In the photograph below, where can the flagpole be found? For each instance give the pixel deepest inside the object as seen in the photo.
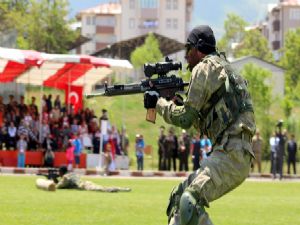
(41, 108)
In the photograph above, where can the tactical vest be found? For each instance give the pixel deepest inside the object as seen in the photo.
(226, 104)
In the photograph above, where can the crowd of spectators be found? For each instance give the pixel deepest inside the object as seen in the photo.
(182, 148)
(54, 127)
(24, 128)
(283, 147)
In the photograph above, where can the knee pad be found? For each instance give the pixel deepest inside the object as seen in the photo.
(190, 210)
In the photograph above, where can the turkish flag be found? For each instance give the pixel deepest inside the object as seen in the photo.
(73, 96)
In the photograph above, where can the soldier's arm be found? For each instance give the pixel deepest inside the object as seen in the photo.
(184, 116)
(62, 183)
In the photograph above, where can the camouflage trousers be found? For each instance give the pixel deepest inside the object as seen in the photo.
(90, 186)
(220, 173)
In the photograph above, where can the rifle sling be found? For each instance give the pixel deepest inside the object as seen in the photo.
(213, 100)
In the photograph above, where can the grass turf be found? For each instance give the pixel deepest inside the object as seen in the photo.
(253, 203)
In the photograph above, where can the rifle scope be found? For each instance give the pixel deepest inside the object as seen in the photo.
(161, 68)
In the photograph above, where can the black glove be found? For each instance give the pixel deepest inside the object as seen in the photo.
(178, 100)
(150, 99)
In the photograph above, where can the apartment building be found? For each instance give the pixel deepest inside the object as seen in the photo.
(280, 18)
(108, 23)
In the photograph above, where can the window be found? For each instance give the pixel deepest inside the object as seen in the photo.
(148, 4)
(131, 23)
(88, 20)
(93, 20)
(106, 21)
(150, 24)
(294, 14)
(175, 4)
(168, 4)
(131, 4)
(168, 23)
(175, 23)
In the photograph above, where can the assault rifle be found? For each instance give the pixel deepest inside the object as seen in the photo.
(52, 174)
(166, 85)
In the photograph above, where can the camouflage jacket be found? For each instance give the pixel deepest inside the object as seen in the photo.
(207, 77)
(69, 181)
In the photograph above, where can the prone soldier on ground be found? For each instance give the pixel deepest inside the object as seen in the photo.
(72, 181)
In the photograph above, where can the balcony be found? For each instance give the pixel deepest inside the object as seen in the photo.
(276, 45)
(105, 30)
(276, 25)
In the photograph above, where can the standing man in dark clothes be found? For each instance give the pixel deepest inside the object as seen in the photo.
(196, 152)
(184, 150)
(281, 149)
(162, 149)
(292, 150)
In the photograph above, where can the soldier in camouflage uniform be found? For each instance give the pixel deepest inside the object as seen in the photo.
(218, 105)
(73, 181)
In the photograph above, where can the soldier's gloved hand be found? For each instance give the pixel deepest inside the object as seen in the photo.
(178, 100)
(150, 99)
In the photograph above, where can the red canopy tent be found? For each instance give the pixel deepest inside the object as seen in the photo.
(61, 71)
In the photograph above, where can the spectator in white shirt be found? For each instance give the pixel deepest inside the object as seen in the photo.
(274, 141)
(12, 135)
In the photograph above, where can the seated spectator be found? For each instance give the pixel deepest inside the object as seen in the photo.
(74, 126)
(49, 103)
(55, 114)
(12, 136)
(45, 130)
(23, 129)
(66, 134)
(3, 137)
(57, 102)
(27, 117)
(22, 106)
(33, 107)
(84, 136)
(11, 103)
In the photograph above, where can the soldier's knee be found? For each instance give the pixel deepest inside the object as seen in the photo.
(190, 210)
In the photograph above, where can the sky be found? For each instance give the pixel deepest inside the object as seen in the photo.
(209, 12)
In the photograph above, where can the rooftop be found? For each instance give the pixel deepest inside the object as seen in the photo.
(106, 8)
(124, 48)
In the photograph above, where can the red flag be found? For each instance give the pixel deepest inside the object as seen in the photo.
(74, 97)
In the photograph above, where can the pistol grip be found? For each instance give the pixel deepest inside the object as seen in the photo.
(151, 115)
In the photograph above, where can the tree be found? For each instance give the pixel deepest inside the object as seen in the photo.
(8, 9)
(290, 61)
(234, 27)
(254, 44)
(261, 97)
(149, 52)
(42, 25)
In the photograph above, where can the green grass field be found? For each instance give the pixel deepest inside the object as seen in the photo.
(253, 203)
